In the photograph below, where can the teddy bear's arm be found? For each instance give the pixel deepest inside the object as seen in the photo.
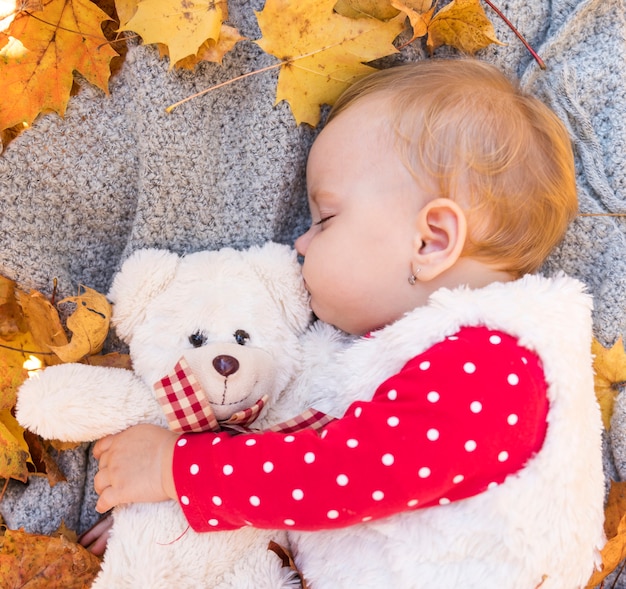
(81, 403)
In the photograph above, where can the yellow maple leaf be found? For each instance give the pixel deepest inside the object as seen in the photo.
(182, 25)
(420, 14)
(89, 324)
(360, 8)
(610, 373)
(125, 9)
(211, 50)
(462, 24)
(323, 52)
(14, 452)
(42, 50)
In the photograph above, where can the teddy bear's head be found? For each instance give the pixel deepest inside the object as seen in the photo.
(233, 318)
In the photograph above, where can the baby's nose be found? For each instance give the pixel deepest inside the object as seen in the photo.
(225, 365)
(302, 243)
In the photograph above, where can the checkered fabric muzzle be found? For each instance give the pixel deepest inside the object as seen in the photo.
(187, 408)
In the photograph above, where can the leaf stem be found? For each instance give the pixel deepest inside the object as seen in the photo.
(602, 214)
(519, 35)
(4, 488)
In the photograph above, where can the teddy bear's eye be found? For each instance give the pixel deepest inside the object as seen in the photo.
(241, 337)
(197, 339)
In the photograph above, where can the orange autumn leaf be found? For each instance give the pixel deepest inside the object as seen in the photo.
(42, 49)
(31, 332)
(420, 14)
(323, 52)
(37, 561)
(609, 374)
(615, 508)
(462, 24)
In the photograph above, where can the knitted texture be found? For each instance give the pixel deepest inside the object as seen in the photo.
(119, 173)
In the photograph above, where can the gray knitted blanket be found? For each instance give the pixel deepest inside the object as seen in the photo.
(78, 195)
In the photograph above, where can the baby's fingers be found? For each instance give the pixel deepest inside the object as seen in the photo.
(102, 446)
(108, 497)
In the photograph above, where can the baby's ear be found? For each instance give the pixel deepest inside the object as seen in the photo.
(144, 275)
(441, 231)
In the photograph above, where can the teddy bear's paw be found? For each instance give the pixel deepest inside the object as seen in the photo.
(81, 403)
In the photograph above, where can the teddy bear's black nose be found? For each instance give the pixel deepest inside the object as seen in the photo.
(225, 365)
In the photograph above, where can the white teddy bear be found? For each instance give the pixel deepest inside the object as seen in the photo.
(217, 317)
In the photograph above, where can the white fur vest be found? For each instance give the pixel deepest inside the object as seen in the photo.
(544, 525)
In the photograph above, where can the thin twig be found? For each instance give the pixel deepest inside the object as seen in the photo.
(519, 35)
(26, 351)
(621, 570)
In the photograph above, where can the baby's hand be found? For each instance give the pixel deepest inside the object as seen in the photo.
(135, 466)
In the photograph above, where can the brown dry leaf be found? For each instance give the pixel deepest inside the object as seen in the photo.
(420, 14)
(462, 24)
(182, 25)
(112, 360)
(323, 52)
(286, 558)
(42, 461)
(89, 324)
(41, 51)
(38, 562)
(610, 373)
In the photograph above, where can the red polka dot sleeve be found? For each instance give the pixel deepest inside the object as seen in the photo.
(455, 420)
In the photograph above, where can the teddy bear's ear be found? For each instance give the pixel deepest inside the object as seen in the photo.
(279, 271)
(143, 276)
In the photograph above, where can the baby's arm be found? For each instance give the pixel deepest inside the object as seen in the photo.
(457, 418)
(81, 403)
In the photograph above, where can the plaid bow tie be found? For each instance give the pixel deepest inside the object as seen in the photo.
(187, 408)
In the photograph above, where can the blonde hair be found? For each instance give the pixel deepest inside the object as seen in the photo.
(468, 132)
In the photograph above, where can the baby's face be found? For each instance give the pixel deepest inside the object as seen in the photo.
(363, 201)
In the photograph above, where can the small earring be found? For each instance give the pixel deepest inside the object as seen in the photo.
(413, 277)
